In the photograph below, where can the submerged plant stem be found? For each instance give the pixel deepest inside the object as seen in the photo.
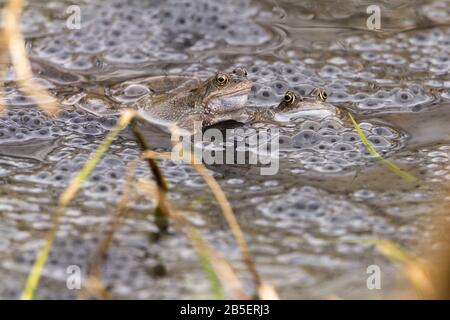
(161, 211)
(264, 290)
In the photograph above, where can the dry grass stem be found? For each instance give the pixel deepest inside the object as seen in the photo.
(94, 279)
(263, 289)
(13, 42)
(65, 198)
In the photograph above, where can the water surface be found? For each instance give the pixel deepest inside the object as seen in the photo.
(307, 225)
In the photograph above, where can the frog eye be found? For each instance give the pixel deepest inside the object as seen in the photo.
(323, 95)
(222, 79)
(289, 97)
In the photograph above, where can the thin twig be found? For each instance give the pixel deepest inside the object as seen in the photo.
(264, 290)
(206, 254)
(94, 275)
(160, 212)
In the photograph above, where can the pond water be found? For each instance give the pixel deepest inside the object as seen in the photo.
(308, 224)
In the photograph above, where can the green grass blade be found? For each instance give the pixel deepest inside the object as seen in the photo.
(68, 194)
(208, 268)
(400, 172)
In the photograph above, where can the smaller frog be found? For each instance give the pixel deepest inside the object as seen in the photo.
(295, 106)
(312, 106)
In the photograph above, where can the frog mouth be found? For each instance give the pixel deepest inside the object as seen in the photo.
(228, 103)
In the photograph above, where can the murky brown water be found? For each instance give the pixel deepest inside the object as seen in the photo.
(307, 224)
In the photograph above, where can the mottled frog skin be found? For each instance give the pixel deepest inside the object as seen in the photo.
(190, 103)
(221, 97)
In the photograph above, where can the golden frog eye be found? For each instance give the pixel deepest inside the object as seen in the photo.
(323, 95)
(222, 79)
(289, 97)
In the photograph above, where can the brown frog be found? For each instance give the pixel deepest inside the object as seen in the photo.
(183, 101)
(220, 97)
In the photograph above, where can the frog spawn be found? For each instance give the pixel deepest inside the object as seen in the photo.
(136, 32)
(320, 230)
(343, 84)
(433, 162)
(132, 266)
(328, 147)
(105, 183)
(272, 80)
(312, 211)
(81, 132)
(374, 88)
(426, 51)
(324, 146)
(19, 125)
(310, 147)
